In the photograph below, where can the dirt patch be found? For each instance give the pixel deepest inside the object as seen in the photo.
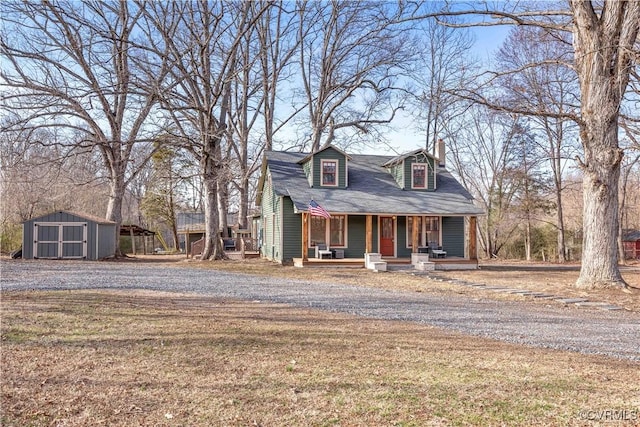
(78, 358)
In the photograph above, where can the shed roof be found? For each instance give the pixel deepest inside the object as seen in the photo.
(79, 215)
(371, 190)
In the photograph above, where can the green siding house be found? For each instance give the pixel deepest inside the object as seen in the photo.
(386, 205)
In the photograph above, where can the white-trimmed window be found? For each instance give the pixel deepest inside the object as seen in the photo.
(317, 230)
(428, 230)
(419, 175)
(329, 173)
(332, 232)
(337, 230)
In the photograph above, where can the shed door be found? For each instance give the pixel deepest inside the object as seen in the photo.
(60, 240)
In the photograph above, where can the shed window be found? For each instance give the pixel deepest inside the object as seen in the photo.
(330, 172)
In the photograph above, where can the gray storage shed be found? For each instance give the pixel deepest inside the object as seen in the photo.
(68, 235)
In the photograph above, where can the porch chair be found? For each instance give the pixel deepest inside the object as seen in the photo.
(229, 244)
(322, 251)
(436, 251)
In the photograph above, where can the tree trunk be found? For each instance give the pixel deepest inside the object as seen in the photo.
(600, 215)
(527, 240)
(316, 134)
(243, 210)
(212, 248)
(601, 169)
(488, 246)
(223, 206)
(603, 48)
(562, 245)
(174, 227)
(557, 179)
(114, 207)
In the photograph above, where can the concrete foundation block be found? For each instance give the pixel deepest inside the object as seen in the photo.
(425, 266)
(378, 266)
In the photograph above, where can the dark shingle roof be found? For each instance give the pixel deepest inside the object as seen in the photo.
(371, 190)
(399, 159)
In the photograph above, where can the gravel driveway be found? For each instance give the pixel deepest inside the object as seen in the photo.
(615, 333)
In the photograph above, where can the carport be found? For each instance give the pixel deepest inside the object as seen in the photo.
(68, 235)
(133, 231)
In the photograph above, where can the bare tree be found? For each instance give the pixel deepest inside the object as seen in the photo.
(605, 51)
(163, 188)
(487, 161)
(351, 54)
(443, 64)
(70, 65)
(38, 177)
(551, 86)
(264, 61)
(203, 40)
(276, 35)
(532, 194)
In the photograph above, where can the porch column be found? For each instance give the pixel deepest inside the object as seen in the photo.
(473, 238)
(305, 236)
(414, 235)
(369, 235)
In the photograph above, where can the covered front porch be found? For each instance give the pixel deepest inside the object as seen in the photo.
(390, 240)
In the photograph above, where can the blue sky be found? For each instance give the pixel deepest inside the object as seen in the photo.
(489, 39)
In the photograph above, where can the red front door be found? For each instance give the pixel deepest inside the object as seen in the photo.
(387, 234)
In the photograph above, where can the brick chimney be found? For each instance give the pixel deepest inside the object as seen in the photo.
(441, 152)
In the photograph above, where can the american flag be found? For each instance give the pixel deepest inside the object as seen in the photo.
(317, 210)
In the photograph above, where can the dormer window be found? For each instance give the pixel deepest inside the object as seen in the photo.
(329, 170)
(327, 167)
(419, 175)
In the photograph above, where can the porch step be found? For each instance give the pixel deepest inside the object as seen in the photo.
(398, 267)
(425, 266)
(378, 266)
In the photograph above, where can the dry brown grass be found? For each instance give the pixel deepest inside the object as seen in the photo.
(149, 358)
(558, 282)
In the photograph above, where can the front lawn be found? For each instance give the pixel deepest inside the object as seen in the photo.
(149, 358)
